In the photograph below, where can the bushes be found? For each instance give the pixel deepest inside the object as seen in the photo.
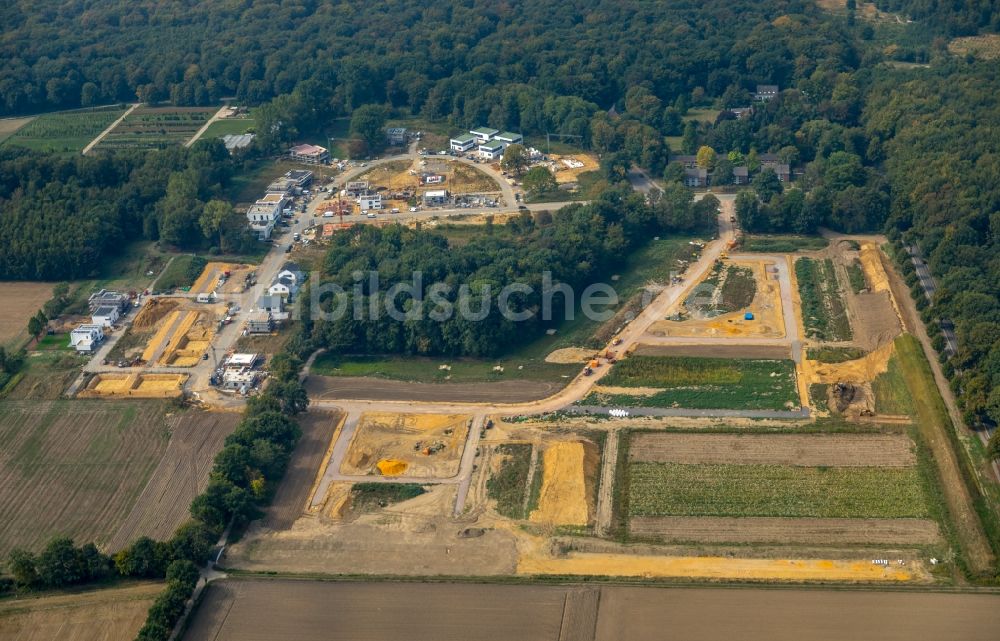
(59, 565)
(182, 577)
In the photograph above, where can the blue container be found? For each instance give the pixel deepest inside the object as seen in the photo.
(748, 316)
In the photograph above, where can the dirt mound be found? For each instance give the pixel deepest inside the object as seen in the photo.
(391, 467)
(570, 355)
(862, 370)
(153, 312)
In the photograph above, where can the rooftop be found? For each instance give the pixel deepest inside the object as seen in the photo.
(464, 138)
(307, 150)
(437, 193)
(105, 310)
(491, 146)
(484, 131)
(271, 198)
(509, 135)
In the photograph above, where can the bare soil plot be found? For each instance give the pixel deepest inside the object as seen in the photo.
(74, 468)
(717, 305)
(195, 438)
(25, 299)
(417, 445)
(113, 614)
(377, 611)
(292, 496)
(718, 529)
(835, 450)
(360, 387)
(209, 279)
(134, 385)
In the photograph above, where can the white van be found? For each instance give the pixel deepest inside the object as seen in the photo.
(370, 214)
(395, 210)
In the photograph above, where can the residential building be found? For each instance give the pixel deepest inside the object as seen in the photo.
(483, 134)
(275, 305)
(86, 338)
(508, 138)
(356, 188)
(741, 112)
(105, 316)
(436, 197)
(283, 185)
(463, 143)
(741, 176)
(241, 380)
(784, 173)
(370, 202)
(696, 177)
(105, 298)
(310, 154)
(264, 214)
(491, 150)
(259, 322)
(300, 177)
(286, 284)
(769, 160)
(765, 92)
(688, 162)
(395, 135)
(235, 142)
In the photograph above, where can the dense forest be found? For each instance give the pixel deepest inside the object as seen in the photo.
(953, 17)
(578, 247)
(471, 59)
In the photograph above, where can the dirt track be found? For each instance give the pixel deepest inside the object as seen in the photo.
(840, 450)
(311, 610)
(358, 387)
(708, 529)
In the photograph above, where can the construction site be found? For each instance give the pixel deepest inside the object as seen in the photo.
(134, 385)
(406, 445)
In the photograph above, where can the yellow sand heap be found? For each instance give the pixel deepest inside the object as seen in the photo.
(160, 335)
(714, 567)
(871, 264)
(862, 370)
(391, 466)
(563, 500)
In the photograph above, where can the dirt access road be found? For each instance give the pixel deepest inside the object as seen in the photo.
(312, 610)
(96, 141)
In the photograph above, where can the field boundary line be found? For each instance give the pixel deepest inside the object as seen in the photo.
(310, 505)
(96, 141)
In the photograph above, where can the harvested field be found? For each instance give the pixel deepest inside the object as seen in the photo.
(112, 614)
(134, 385)
(783, 531)
(309, 610)
(834, 450)
(429, 445)
(292, 496)
(564, 497)
(8, 126)
(74, 468)
(671, 489)
(325, 611)
(14, 318)
(195, 438)
(360, 387)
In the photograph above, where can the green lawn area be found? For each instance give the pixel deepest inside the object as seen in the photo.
(64, 131)
(672, 489)
(227, 126)
(428, 370)
(46, 374)
(889, 389)
(54, 342)
(782, 244)
(182, 272)
(701, 383)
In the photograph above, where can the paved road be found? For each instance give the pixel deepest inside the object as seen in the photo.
(929, 286)
(96, 141)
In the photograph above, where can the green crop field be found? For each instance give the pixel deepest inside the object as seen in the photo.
(65, 131)
(227, 126)
(157, 127)
(823, 312)
(510, 482)
(889, 389)
(856, 276)
(429, 370)
(783, 244)
(671, 489)
(702, 383)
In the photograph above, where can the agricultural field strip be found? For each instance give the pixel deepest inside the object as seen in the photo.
(784, 531)
(74, 468)
(672, 489)
(843, 450)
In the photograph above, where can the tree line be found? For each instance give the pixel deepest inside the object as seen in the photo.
(576, 247)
